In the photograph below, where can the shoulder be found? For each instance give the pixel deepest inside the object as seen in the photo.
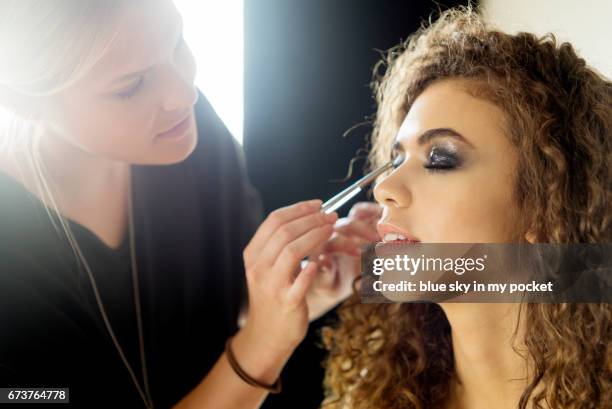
(24, 221)
(30, 245)
(19, 214)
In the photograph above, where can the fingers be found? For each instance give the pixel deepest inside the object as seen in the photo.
(344, 244)
(292, 230)
(274, 221)
(327, 274)
(365, 210)
(359, 228)
(324, 261)
(294, 252)
(298, 290)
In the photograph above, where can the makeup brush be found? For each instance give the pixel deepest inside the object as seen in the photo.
(347, 194)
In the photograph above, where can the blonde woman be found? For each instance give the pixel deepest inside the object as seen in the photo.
(507, 139)
(127, 221)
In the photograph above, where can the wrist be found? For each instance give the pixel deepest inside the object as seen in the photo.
(259, 358)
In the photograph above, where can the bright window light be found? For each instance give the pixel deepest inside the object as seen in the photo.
(214, 32)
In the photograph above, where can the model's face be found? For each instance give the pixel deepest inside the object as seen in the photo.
(142, 87)
(456, 183)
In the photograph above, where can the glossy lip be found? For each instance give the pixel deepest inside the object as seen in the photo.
(178, 129)
(384, 228)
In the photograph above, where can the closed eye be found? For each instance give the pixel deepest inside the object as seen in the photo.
(442, 159)
(132, 90)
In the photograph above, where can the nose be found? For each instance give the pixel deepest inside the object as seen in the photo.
(181, 91)
(392, 191)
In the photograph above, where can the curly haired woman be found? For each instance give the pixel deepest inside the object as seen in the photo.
(507, 139)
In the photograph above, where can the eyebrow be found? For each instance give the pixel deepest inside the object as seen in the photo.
(434, 133)
(135, 74)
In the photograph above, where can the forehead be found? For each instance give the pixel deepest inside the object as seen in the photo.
(144, 32)
(449, 104)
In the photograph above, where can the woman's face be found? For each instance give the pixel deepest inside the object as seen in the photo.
(456, 183)
(140, 89)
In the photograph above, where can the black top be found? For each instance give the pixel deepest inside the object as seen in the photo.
(192, 221)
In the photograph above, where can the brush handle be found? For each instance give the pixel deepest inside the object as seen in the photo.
(347, 194)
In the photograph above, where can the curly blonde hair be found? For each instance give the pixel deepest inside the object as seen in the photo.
(559, 117)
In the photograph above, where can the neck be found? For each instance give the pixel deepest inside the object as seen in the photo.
(89, 189)
(489, 373)
(79, 176)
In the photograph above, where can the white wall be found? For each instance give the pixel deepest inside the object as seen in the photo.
(585, 24)
(214, 32)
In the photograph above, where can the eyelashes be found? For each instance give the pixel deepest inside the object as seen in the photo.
(132, 90)
(439, 159)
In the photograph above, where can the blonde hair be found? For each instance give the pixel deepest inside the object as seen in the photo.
(45, 47)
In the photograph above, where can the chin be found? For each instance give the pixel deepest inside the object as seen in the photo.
(175, 152)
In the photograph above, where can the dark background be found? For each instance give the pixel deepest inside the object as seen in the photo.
(308, 65)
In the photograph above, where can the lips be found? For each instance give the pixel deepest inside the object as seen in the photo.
(393, 234)
(177, 127)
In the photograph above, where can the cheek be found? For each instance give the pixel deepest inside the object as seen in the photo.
(110, 129)
(468, 209)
